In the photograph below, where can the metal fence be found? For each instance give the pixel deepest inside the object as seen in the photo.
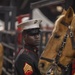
(44, 37)
(8, 39)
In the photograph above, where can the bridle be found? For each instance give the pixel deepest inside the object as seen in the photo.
(56, 60)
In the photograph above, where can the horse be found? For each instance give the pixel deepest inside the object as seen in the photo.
(60, 48)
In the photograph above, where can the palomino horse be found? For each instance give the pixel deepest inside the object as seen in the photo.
(60, 49)
(1, 58)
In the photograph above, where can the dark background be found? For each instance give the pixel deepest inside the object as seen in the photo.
(23, 7)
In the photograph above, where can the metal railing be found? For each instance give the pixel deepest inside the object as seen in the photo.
(44, 37)
(8, 40)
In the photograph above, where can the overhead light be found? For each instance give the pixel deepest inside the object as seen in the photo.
(59, 8)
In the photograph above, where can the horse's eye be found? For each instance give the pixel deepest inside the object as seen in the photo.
(56, 36)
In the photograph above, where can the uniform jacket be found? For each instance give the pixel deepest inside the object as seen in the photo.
(29, 55)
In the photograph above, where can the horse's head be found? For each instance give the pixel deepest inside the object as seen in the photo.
(60, 48)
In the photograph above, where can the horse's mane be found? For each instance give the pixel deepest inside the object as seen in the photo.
(58, 18)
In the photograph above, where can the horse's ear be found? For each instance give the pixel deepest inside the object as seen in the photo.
(63, 12)
(69, 13)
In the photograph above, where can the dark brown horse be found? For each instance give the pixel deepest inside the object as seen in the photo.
(60, 49)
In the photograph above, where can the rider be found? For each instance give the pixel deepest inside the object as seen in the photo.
(27, 59)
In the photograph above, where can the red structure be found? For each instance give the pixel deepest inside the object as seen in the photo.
(19, 19)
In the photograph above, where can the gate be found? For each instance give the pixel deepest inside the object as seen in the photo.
(8, 39)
